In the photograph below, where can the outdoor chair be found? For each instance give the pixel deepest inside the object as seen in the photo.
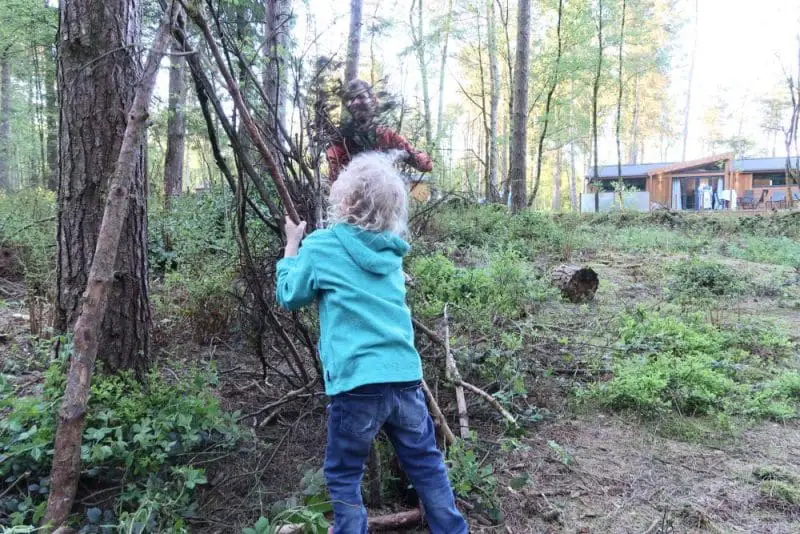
(778, 197)
(748, 201)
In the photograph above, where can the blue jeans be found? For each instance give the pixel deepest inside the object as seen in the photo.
(355, 417)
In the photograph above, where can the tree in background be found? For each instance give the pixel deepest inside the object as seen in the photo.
(353, 42)
(519, 128)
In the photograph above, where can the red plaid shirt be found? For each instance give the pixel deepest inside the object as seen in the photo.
(339, 154)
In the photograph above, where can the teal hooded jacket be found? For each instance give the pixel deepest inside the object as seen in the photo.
(365, 325)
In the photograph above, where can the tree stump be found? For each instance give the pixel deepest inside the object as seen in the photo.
(577, 284)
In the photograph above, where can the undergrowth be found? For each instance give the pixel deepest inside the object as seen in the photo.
(136, 448)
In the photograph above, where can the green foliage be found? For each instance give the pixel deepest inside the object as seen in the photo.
(666, 363)
(137, 435)
(308, 507)
(27, 230)
(506, 287)
(470, 477)
(701, 280)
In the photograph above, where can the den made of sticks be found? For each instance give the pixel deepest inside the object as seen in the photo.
(282, 267)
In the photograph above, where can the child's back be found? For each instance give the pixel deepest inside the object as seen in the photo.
(372, 371)
(365, 326)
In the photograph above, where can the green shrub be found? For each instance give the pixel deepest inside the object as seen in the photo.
(470, 477)
(701, 281)
(135, 436)
(506, 287)
(682, 364)
(27, 232)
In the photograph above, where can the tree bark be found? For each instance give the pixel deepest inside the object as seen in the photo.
(442, 68)
(547, 107)
(494, 104)
(573, 181)
(596, 85)
(691, 77)
(634, 150)
(5, 118)
(277, 49)
(418, 40)
(557, 182)
(94, 103)
(577, 284)
(176, 126)
(51, 112)
(519, 129)
(619, 101)
(89, 327)
(353, 42)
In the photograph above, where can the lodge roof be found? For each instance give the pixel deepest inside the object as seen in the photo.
(606, 172)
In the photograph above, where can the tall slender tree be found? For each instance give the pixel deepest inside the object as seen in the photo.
(494, 103)
(596, 85)
(420, 43)
(94, 103)
(519, 129)
(687, 109)
(176, 126)
(5, 116)
(353, 42)
(621, 85)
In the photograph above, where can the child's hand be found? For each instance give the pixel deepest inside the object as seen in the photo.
(294, 234)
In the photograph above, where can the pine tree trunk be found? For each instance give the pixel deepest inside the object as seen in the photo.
(276, 49)
(442, 70)
(557, 182)
(596, 85)
(634, 149)
(687, 110)
(494, 105)
(94, 103)
(353, 42)
(619, 101)
(51, 111)
(573, 181)
(519, 129)
(5, 119)
(419, 41)
(176, 127)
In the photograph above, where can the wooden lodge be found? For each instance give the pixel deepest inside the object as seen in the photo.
(718, 182)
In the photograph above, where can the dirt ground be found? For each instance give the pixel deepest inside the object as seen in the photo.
(587, 472)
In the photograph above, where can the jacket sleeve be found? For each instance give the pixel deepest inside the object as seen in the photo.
(296, 281)
(337, 158)
(388, 138)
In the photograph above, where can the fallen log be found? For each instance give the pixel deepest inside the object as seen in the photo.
(577, 284)
(383, 523)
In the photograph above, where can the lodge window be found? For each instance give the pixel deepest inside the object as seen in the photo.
(766, 180)
(637, 184)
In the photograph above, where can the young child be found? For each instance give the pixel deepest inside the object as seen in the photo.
(372, 371)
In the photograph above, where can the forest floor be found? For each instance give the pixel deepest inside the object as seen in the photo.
(586, 470)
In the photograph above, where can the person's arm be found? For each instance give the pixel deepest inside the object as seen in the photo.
(296, 284)
(388, 138)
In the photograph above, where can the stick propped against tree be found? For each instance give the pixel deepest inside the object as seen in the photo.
(72, 416)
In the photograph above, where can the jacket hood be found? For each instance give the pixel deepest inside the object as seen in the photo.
(375, 252)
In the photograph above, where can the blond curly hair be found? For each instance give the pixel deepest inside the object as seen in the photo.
(370, 193)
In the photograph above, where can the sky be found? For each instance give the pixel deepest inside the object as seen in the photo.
(743, 48)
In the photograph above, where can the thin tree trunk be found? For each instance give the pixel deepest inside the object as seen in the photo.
(37, 104)
(547, 106)
(634, 152)
(353, 42)
(5, 119)
(51, 112)
(691, 77)
(519, 142)
(418, 40)
(557, 182)
(90, 143)
(596, 86)
(277, 50)
(443, 67)
(99, 291)
(494, 105)
(619, 98)
(573, 182)
(509, 118)
(176, 126)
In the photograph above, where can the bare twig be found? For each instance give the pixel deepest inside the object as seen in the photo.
(451, 372)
